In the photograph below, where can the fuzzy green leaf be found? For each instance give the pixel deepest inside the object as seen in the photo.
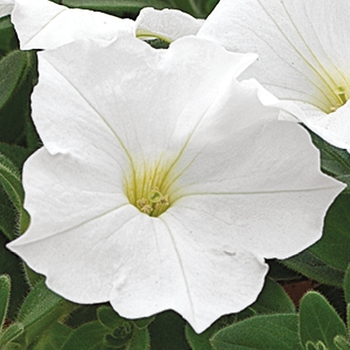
(8, 40)
(319, 322)
(54, 338)
(143, 323)
(273, 332)
(311, 266)
(341, 343)
(11, 221)
(11, 265)
(140, 340)
(11, 183)
(40, 309)
(88, 337)
(202, 341)
(334, 161)
(11, 333)
(16, 154)
(5, 289)
(272, 299)
(333, 247)
(108, 317)
(197, 8)
(18, 76)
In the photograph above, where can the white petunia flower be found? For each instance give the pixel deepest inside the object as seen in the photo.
(304, 51)
(41, 24)
(163, 183)
(6, 7)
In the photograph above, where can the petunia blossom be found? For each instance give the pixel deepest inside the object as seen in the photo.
(304, 51)
(163, 182)
(6, 7)
(42, 24)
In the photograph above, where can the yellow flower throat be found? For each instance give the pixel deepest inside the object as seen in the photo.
(342, 95)
(147, 189)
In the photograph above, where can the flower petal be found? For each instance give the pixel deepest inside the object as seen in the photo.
(179, 89)
(333, 127)
(42, 24)
(6, 7)
(83, 262)
(143, 266)
(303, 45)
(243, 167)
(166, 24)
(64, 191)
(191, 283)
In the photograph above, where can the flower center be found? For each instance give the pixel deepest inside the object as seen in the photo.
(342, 94)
(156, 204)
(333, 85)
(147, 188)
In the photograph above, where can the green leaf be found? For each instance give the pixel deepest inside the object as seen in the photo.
(54, 338)
(333, 247)
(120, 8)
(5, 289)
(11, 333)
(11, 265)
(10, 221)
(335, 297)
(17, 75)
(88, 337)
(279, 272)
(319, 345)
(158, 43)
(319, 322)
(16, 154)
(108, 317)
(8, 39)
(8, 217)
(32, 277)
(197, 8)
(309, 265)
(202, 341)
(143, 323)
(11, 182)
(121, 336)
(341, 343)
(140, 340)
(208, 6)
(334, 161)
(40, 309)
(272, 332)
(347, 285)
(272, 299)
(83, 314)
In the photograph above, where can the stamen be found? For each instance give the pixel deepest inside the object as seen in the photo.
(146, 209)
(341, 93)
